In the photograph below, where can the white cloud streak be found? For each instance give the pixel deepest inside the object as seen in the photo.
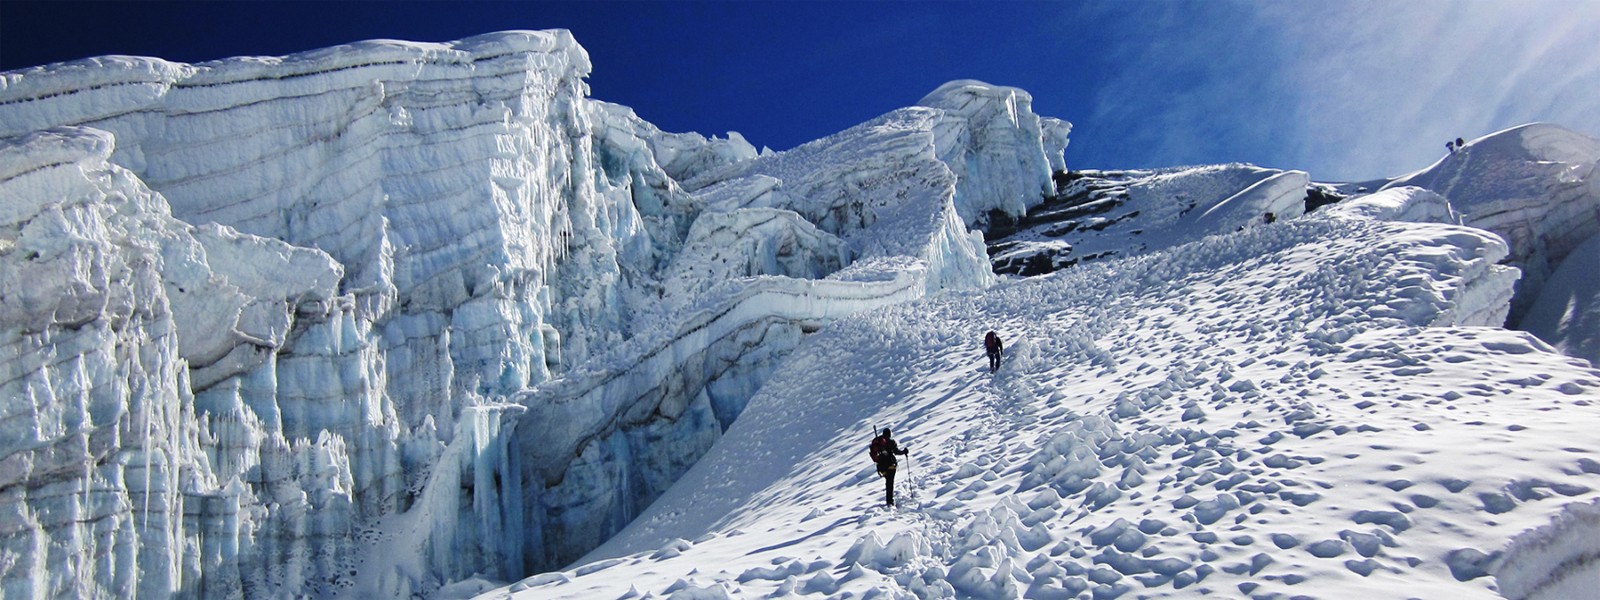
(1396, 80)
(1348, 90)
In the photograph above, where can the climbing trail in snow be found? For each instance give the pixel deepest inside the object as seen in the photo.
(1305, 409)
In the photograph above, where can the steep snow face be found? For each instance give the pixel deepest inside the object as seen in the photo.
(1312, 406)
(879, 193)
(1536, 185)
(1567, 312)
(430, 292)
(1103, 214)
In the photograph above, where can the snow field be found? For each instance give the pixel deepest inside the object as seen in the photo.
(1295, 410)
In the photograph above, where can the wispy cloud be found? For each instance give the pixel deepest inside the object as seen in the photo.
(1346, 90)
(1391, 82)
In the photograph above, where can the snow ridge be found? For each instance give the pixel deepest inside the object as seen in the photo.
(1536, 185)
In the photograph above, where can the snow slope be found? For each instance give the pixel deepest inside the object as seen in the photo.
(1313, 408)
(1103, 214)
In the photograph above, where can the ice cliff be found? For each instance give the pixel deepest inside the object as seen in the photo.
(388, 315)
(1536, 185)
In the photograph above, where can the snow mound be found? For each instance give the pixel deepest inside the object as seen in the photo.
(1557, 560)
(1413, 204)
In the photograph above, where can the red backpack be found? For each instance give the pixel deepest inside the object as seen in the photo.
(878, 448)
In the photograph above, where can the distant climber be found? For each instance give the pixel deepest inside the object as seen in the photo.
(1268, 218)
(1460, 144)
(993, 348)
(882, 451)
(1450, 145)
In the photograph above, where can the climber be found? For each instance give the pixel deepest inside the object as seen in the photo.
(882, 451)
(993, 348)
(1460, 144)
(1450, 145)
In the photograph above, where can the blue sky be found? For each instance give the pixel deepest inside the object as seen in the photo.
(1347, 90)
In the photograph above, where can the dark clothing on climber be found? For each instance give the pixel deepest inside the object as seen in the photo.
(993, 348)
(882, 451)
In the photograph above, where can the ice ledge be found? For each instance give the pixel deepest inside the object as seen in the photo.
(961, 93)
(101, 87)
(602, 395)
(57, 145)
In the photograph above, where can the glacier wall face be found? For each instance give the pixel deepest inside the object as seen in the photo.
(114, 484)
(264, 316)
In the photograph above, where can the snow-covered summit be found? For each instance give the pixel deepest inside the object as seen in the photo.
(1535, 184)
(1538, 186)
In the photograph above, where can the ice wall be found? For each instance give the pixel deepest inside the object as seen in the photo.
(1567, 311)
(429, 292)
(114, 485)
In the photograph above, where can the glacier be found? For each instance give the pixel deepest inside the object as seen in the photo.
(303, 307)
(402, 319)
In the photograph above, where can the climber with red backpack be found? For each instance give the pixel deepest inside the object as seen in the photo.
(882, 452)
(992, 347)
